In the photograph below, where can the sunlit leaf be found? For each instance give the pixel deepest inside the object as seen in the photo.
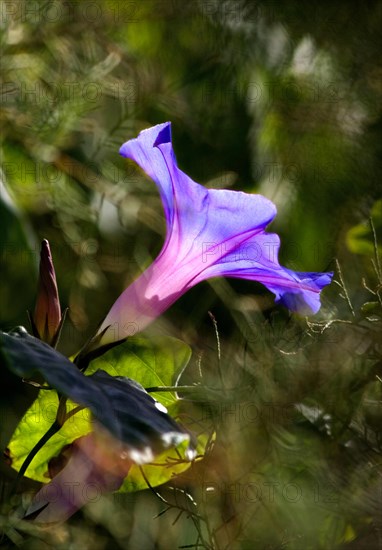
(165, 466)
(35, 423)
(154, 362)
(120, 404)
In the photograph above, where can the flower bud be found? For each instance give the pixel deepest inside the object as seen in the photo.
(47, 313)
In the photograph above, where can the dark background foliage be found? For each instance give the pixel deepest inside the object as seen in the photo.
(281, 99)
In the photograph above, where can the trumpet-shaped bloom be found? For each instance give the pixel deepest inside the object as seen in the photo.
(210, 233)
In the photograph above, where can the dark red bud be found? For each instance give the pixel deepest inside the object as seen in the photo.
(47, 313)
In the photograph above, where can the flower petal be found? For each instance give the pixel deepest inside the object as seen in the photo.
(257, 259)
(195, 215)
(94, 468)
(209, 233)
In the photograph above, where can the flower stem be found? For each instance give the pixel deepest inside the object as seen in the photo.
(54, 428)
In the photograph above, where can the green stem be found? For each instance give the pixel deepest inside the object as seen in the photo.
(55, 427)
(183, 389)
(52, 430)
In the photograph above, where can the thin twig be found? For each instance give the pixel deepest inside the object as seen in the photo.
(344, 287)
(377, 265)
(196, 518)
(214, 322)
(54, 428)
(50, 433)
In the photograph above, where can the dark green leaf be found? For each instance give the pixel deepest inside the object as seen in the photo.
(154, 362)
(120, 404)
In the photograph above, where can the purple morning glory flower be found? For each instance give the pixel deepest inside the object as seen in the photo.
(210, 233)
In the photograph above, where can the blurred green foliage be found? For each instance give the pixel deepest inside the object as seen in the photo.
(282, 99)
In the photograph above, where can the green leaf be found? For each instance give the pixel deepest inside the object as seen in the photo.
(120, 404)
(35, 423)
(40, 417)
(155, 362)
(166, 466)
